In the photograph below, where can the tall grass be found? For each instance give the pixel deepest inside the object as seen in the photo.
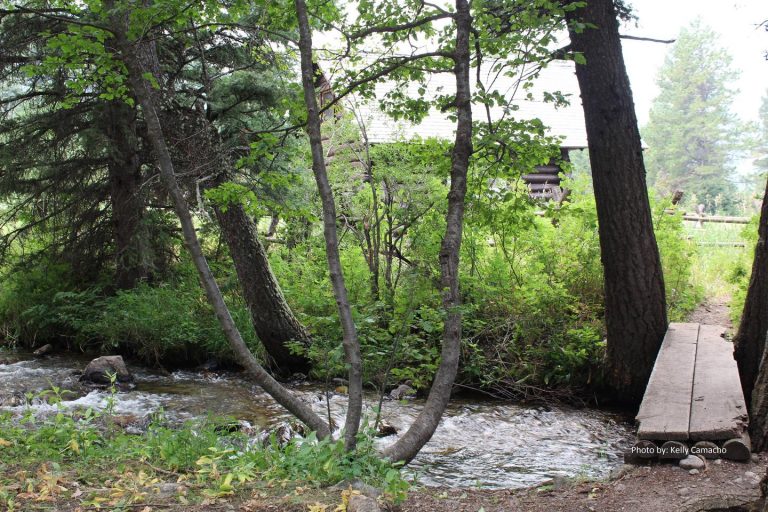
(723, 271)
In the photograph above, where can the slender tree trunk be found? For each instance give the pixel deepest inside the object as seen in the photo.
(131, 55)
(635, 304)
(749, 343)
(273, 320)
(274, 221)
(350, 341)
(127, 204)
(389, 240)
(406, 448)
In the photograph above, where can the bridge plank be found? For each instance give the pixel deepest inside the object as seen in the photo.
(718, 410)
(665, 411)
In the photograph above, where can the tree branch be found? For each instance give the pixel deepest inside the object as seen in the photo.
(397, 28)
(648, 39)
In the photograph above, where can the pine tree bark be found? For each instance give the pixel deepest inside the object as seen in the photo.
(272, 318)
(406, 448)
(132, 56)
(635, 304)
(124, 169)
(749, 343)
(758, 418)
(349, 337)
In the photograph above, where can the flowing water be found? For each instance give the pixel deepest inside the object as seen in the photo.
(479, 442)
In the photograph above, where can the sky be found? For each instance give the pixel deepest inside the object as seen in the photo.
(735, 20)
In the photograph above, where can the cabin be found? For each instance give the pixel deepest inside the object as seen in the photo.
(565, 121)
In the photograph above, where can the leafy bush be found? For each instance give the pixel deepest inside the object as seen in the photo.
(33, 302)
(169, 322)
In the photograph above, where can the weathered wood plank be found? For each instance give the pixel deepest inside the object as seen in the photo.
(718, 410)
(665, 411)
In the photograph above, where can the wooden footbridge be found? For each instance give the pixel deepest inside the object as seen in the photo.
(693, 398)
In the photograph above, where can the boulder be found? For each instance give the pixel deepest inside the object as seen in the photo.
(360, 503)
(693, 462)
(359, 486)
(12, 399)
(283, 434)
(402, 391)
(43, 351)
(297, 378)
(166, 490)
(99, 370)
(385, 429)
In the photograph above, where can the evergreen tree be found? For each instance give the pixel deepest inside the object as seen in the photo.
(635, 307)
(692, 134)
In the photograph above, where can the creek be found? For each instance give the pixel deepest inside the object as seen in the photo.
(480, 442)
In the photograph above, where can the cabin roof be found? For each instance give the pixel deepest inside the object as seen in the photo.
(563, 121)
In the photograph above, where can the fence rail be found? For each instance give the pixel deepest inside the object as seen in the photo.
(723, 219)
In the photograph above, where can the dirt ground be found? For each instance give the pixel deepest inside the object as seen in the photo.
(723, 485)
(713, 312)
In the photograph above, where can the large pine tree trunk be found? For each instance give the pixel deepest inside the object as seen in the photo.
(127, 203)
(272, 318)
(749, 343)
(406, 448)
(758, 418)
(635, 305)
(135, 55)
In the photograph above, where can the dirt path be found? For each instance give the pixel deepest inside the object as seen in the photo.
(716, 311)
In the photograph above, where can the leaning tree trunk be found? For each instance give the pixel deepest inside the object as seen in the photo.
(131, 55)
(124, 166)
(272, 318)
(749, 343)
(635, 304)
(406, 448)
(349, 338)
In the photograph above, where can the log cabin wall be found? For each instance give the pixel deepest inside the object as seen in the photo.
(544, 183)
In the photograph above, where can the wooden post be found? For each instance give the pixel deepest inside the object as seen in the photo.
(707, 449)
(641, 452)
(700, 213)
(739, 448)
(673, 450)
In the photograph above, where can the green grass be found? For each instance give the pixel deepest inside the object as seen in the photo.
(714, 232)
(85, 459)
(722, 272)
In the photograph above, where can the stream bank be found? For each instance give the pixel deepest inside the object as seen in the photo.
(480, 443)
